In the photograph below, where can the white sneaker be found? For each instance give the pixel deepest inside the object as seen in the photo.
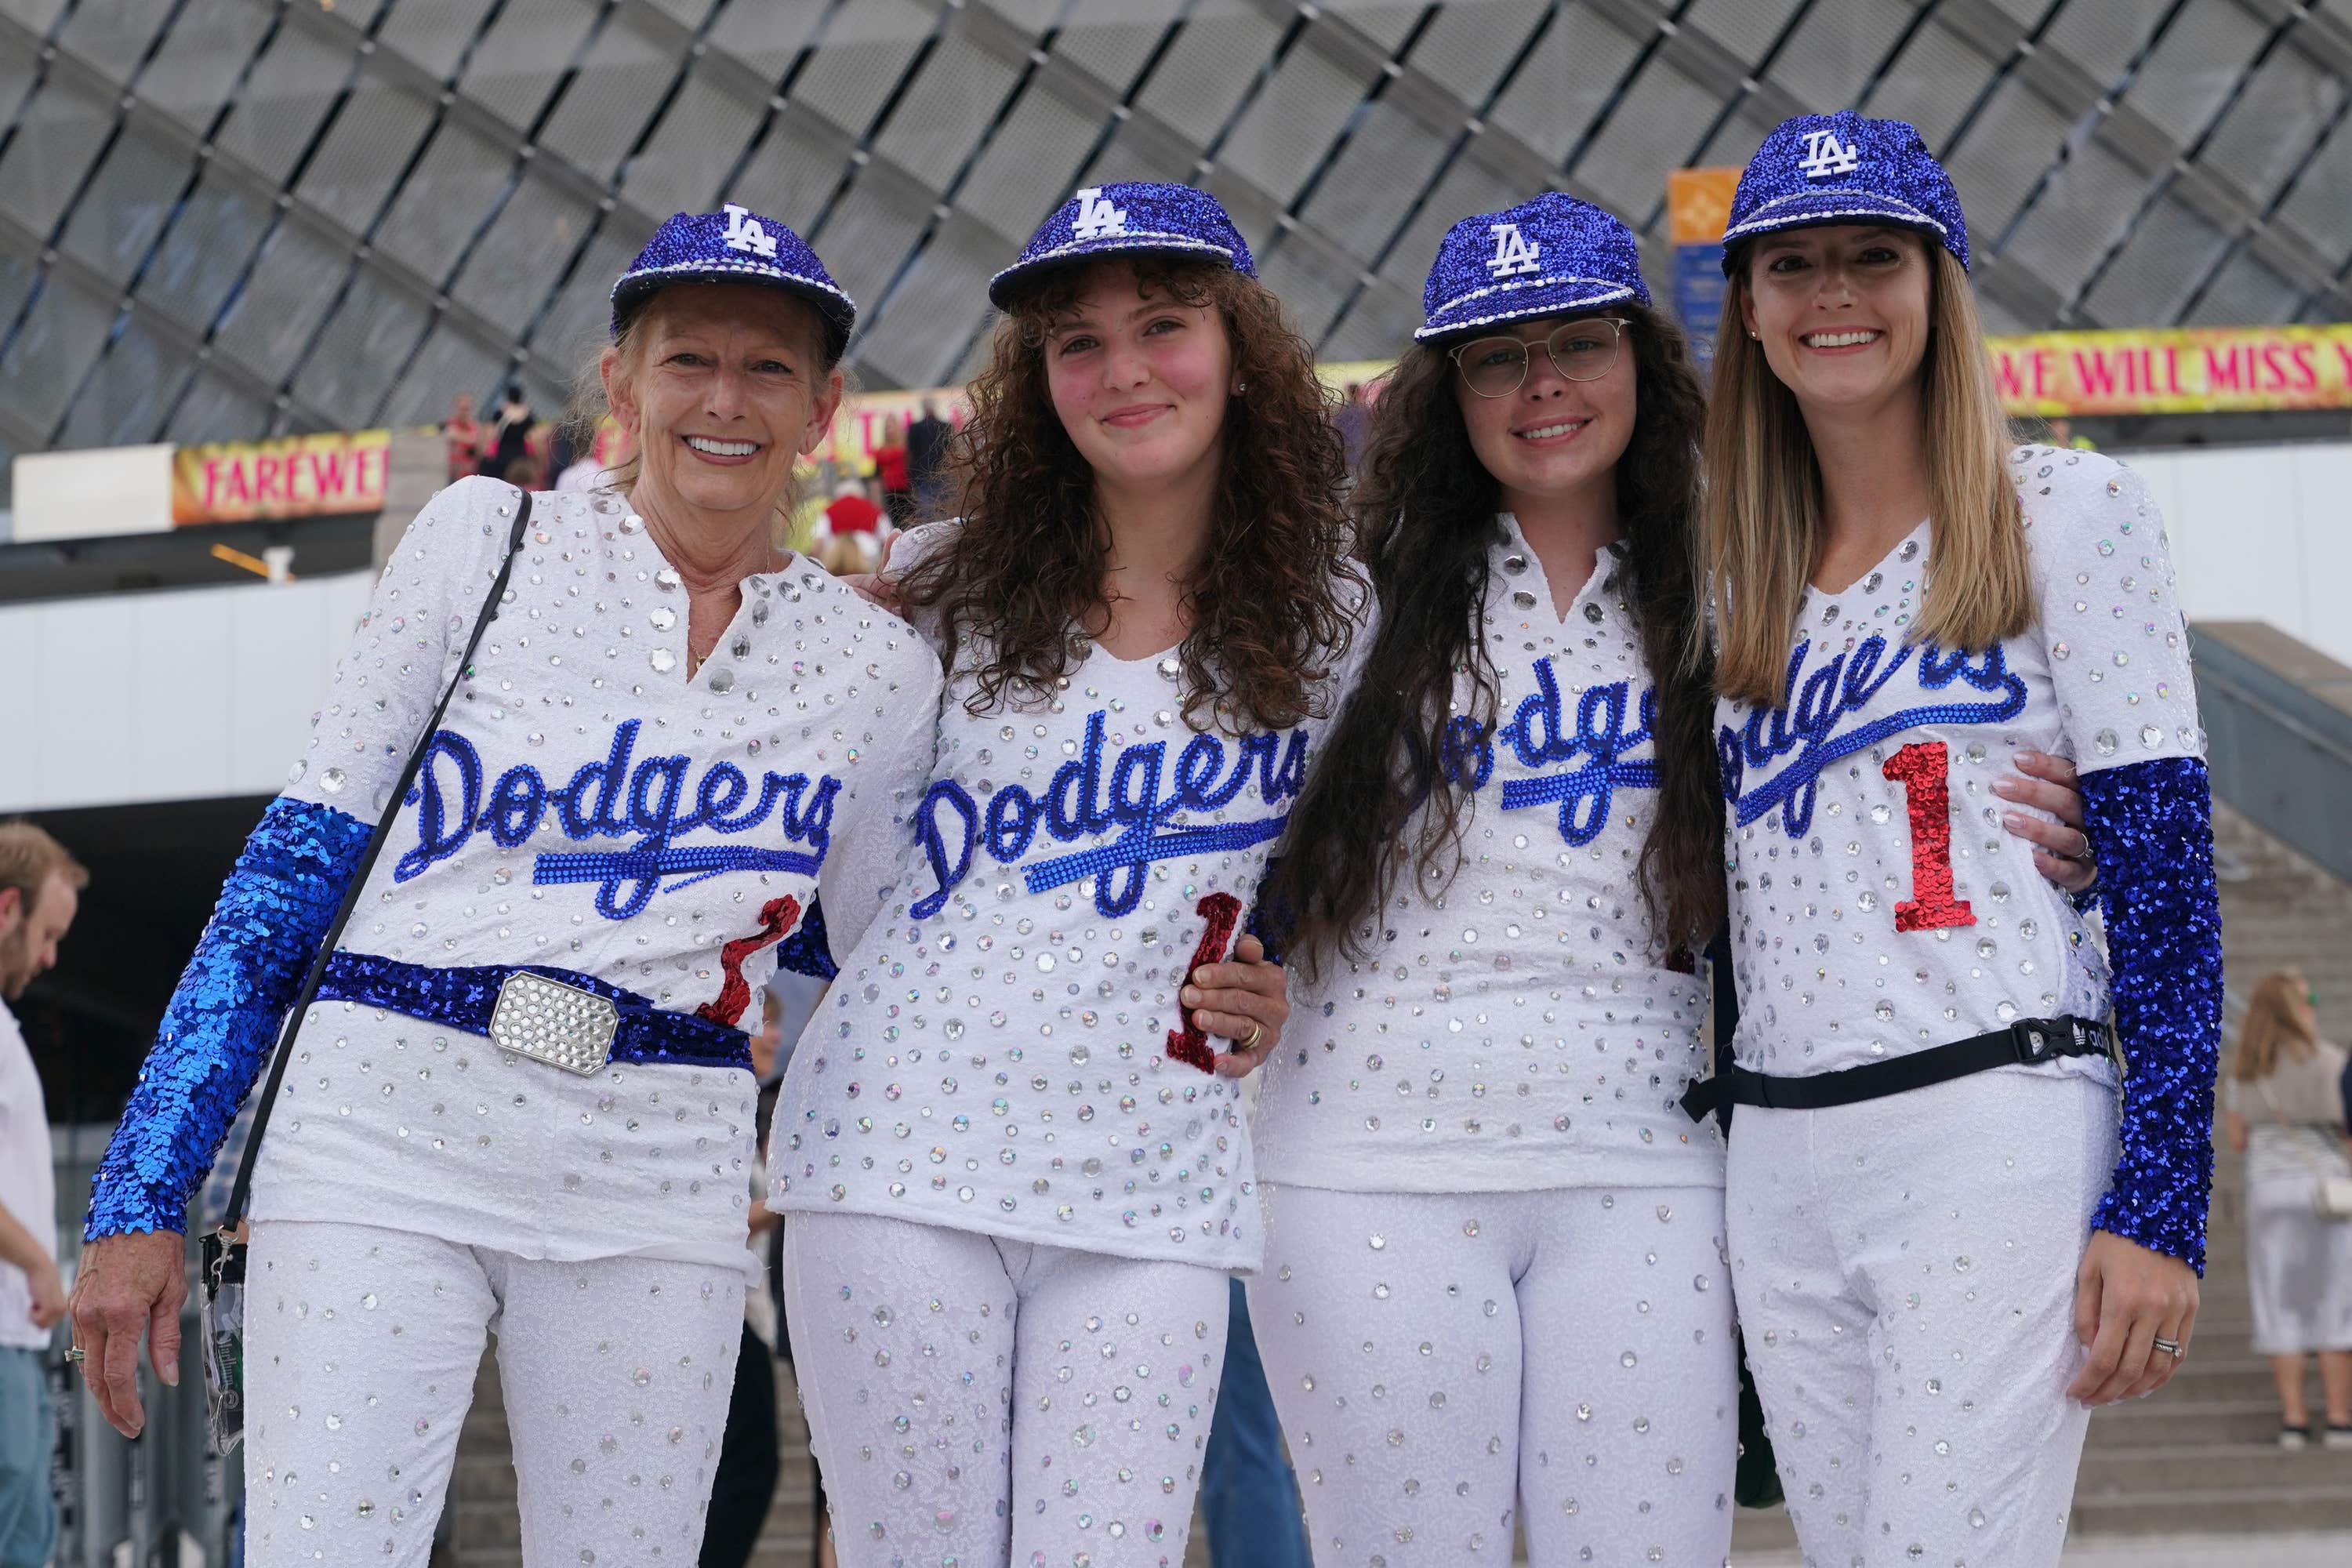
(2295, 1439)
(2338, 1437)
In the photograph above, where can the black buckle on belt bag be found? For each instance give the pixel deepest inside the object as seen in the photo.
(222, 1255)
(2028, 1041)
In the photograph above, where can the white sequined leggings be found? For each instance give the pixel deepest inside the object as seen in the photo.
(360, 1349)
(1905, 1275)
(975, 1402)
(1445, 1363)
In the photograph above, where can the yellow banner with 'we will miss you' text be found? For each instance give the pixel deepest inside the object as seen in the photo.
(2175, 370)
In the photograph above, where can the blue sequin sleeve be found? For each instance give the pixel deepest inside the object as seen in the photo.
(2151, 829)
(225, 1015)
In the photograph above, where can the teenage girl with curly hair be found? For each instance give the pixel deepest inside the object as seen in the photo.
(1013, 1157)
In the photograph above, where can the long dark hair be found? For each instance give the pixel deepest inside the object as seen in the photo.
(1426, 510)
(1267, 619)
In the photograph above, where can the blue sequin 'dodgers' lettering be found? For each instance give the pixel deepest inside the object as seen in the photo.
(1804, 727)
(1608, 723)
(1135, 798)
(651, 799)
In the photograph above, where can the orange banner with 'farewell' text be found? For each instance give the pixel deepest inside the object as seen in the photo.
(326, 475)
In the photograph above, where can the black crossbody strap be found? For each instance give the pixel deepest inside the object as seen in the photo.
(285, 1052)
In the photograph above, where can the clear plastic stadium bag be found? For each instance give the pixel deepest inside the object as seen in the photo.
(222, 1324)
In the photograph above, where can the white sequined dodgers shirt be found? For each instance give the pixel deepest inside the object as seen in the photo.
(1878, 906)
(589, 805)
(1005, 1051)
(1518, 1029)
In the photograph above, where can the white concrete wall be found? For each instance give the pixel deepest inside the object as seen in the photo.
(2260, 533)
(180, 695)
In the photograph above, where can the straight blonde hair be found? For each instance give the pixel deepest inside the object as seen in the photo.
(2272, 1030)
(1762, 522)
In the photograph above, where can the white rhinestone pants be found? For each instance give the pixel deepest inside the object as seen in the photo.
(975, 1402)
(1904, 1269)
(361, 1351)
(1446, 1364)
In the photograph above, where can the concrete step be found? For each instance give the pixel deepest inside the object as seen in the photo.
(2151, 1423)
(2217, 1510)
(2139, 1472)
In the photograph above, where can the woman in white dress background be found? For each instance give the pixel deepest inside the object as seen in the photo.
(2284, 1100)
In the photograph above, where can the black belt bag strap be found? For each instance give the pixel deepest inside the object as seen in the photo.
(2028, 1041)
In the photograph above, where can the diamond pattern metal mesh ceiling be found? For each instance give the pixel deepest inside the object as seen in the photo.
(225, 218)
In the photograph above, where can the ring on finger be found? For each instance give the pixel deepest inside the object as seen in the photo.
(77, 1354)
(1257, 1033)
(2172, 1348)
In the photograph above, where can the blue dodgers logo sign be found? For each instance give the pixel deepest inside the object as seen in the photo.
(649, 798)
(1132, 798)
(1540, 734)
(1804, 727)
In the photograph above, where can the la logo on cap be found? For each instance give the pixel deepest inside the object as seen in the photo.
(1096, 218)
(1826, 155)
(744, 232)
(1512, 253)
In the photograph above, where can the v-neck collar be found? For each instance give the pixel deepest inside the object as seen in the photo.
(665, 613)
(1524, 570)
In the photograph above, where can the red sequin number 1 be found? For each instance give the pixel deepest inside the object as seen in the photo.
(1921, 769)
(1190, 1044)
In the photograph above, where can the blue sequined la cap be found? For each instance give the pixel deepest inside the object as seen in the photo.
(1543, 257)
(734, 244)
(1138, 216)
(1819, 169)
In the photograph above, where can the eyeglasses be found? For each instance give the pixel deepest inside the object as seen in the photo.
(1582, 350)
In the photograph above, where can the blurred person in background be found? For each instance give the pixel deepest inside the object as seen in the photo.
(510, 434)
(1249, 1494)
(463, 434)
(526, 473)
(607, 450)
(1354, 417)
(2285, 1101)
(750, 1457)
(41, 887)
(530, 1111)
(891, 467)
(927, 450)
(852, 509)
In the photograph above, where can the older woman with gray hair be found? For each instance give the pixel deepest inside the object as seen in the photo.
(522, 1100)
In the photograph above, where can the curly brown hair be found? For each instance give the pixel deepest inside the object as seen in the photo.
(1265, 608)
(1426, 510)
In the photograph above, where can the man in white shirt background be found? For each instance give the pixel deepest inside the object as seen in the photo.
(41, 887)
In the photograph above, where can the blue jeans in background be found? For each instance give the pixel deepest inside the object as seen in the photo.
(1249, 1500)
(29, 1435)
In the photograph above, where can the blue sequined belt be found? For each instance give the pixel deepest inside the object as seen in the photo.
(559, 1017)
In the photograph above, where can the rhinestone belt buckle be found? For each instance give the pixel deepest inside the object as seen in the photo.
(551, 1022)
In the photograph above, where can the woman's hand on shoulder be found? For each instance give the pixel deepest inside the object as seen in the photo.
(2062, 850)
(1245, 1000)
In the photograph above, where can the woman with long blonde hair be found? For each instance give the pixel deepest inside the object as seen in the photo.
(2285, 1104)
(1944, 1242)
